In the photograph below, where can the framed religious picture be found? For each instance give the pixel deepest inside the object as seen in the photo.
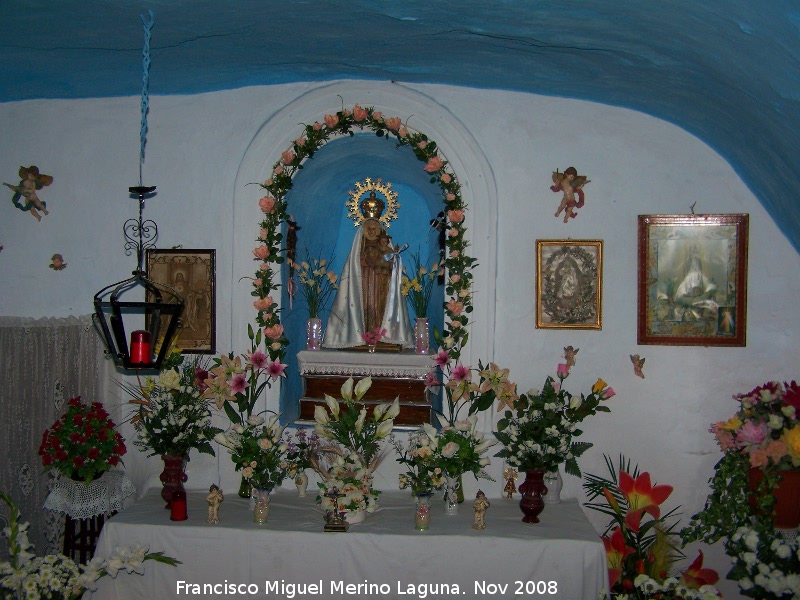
(692, 279)
(569, 290)
(192, 274)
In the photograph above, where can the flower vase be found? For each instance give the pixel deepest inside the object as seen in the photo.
(421, 336)
(532, 490)
(554, 483)
(354, 517)
(244, 488)
(261, 508)
(172, 477)
(313, 333)
(301, 482)
(787, 497)
(422, 516)
(451, 488)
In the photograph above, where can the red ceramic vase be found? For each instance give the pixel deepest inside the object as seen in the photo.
(172, 477)
(787, 497)
(532, 490)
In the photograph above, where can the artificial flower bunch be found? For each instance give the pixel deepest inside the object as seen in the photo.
(459, 448)
(641, 544)
(538, 432)
(26, 576)
(259, 452)
(461, 391)
(418, 289)
(349, 476)
(82, 443)
(766, 563)
(374, 336)
(235, 386)
(765, 427)
(422, 475)
(172, 414)
(349, 424)
(317, 283)
(301, 448)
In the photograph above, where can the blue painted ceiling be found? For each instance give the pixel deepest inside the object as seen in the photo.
(724, 70)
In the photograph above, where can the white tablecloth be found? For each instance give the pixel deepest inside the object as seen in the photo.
(561, 557)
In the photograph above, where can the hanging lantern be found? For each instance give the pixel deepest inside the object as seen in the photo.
(153, 322)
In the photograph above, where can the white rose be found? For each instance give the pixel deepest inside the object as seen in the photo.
(169, 380)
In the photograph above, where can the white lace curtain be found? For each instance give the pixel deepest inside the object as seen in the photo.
(44, 363)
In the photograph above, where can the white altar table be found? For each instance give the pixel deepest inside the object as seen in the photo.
(561, 557)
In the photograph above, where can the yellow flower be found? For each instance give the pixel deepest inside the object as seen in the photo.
(731, 424)
(599, 386)
(791, 437)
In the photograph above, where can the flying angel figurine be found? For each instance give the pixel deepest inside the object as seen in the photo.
(638, 363)
(31, 181)
(570, 184)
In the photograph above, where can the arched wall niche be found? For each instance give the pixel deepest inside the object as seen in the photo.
(419, 112)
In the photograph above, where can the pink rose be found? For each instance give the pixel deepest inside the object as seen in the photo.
(263, 234)
(393, 123)
(751, 434)
(454, 253)
(261, 252)
(455, 307)
(264, 266)
(377, 115)
(434, 164)
(359, 114)
(455, 279)
(331, 121)
(562, 370)
(446, 178)
(257, 282)
(267, 204)
(422, 145)
(450, 197)
(455, 216)
(608, 393)
(263, 303)
(317, 126)
(287, 157)
(403, 132)
(450, 450)
(274, 332)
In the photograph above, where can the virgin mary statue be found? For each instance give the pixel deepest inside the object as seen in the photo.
(369, 295)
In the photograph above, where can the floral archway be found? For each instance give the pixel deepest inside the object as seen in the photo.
(273, 206)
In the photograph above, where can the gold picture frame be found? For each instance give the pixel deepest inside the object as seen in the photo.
(569, 284)
(692, 276)
(192, 274)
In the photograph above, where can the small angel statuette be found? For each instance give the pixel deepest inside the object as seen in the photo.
(638, 363)
(570, 184)
(214, 499)
(510, 475)
(481, 505)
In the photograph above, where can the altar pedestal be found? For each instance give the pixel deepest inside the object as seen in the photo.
(394, 375)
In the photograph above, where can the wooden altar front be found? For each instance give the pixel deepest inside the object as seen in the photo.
(394, 375)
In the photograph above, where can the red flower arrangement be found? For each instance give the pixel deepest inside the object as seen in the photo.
(82, 443)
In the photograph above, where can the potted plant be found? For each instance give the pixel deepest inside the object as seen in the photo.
(641, 543)
(744, 509)
(83, 443)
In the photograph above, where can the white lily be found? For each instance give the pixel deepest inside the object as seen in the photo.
(473, 422)
(333, 404)
(320, 416)
(384, 429)
(442, 421)
(430, 431)
(273, 420)
(362, 387)
(484, 446)
(255, 420)
(379, 410)
(393, 410)
(347, 389)
(360, 420)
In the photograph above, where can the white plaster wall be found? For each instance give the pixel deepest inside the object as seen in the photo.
(197, 146)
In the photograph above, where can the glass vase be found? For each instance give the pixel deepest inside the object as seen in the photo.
(422, 516)
(554, 483)
(172, 477)
(421, 336)
(313, 333)
(244, 488)
(261, 508)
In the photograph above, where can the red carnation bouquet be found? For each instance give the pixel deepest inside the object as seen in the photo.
(83, 443)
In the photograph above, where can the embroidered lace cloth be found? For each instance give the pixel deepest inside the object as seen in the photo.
(113, 491)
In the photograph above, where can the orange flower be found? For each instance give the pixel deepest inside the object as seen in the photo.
(616, 553)
(696, 576)
(641, 494)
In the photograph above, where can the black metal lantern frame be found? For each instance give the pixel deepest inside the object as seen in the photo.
(161, 301)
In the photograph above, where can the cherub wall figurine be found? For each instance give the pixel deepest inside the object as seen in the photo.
(214, 499)
(569, 355)
(510, 475)
(31, 181)
(570, 184)
(638, 363)
(57, 263)
(481, 505)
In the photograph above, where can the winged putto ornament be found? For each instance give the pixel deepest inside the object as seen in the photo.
(25, 197)
(638, 363)
(570, 184)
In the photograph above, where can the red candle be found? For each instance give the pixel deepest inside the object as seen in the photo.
(177, 508)
(140, 347)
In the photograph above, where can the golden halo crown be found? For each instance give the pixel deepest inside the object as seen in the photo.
(372, 207)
